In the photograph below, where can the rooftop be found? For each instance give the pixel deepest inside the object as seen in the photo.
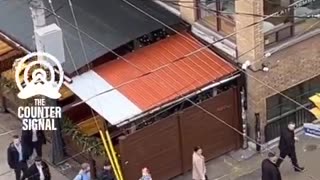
(113, 23)
(149, 78)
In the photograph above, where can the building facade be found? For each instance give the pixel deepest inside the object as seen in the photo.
(284, 41)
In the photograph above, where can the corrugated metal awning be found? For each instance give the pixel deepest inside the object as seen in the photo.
(149, 90)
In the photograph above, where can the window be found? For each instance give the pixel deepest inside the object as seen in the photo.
(289, 21)
(278, 105)
(217, 14)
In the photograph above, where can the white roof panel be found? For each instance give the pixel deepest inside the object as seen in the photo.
(112, 106)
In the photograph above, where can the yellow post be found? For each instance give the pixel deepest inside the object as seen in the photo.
(114, 155)
(109, 155)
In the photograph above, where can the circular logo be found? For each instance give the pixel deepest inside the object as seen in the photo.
(43, 79)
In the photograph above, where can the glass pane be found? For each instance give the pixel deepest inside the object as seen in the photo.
(305, 92)
(286, 103)
(310, 7)
(227, 6)
(207, 15)
(272, 113)
(284, 34)
(273, 101)
(272, 6)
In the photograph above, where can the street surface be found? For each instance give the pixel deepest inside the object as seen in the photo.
(226, 167)
(9, 126)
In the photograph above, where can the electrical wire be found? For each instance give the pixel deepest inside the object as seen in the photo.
(226, 123)
(239, 132)
(85, 57)
(289, 98)
(151, 72)
(174, 61)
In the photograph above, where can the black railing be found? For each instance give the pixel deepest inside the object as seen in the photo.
(299, 116)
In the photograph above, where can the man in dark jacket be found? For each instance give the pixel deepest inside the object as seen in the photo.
(287, 147)
(269, 169)
(38, 171)
(17, 157)
(106, 174)
(33, 139)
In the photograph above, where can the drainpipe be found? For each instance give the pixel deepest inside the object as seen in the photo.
(258, 132)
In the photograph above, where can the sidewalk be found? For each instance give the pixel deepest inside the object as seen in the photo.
(228, 167)
(8, 127)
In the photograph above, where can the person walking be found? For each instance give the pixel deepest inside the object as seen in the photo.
(145, 174)
(16, 156)
(269, 169)
(287, 147)
(33, 139)
(198, 165)
(106, 173)
(84, 173)
(39, 170)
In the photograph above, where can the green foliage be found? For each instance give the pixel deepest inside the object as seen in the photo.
(10, 85)
(89, 144)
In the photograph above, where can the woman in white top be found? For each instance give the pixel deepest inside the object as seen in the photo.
(198, 165)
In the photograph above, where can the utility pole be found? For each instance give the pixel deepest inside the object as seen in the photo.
(39, 21)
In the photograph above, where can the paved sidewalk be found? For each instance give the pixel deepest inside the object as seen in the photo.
(8, 127)
(228, 167)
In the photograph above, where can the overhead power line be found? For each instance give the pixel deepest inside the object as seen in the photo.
(226, 123)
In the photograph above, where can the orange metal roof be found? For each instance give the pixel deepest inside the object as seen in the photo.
(167, 83)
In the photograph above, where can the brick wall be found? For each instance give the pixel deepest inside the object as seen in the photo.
(289, 67)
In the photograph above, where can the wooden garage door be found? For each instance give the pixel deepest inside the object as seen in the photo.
(156, 147)
(199, 128)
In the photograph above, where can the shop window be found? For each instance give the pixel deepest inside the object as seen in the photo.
(278, 105)
(217, 15)
(273, 109)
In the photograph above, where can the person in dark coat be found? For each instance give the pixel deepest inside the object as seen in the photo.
(269, 169)
(17, 157)
(33, 139)
(39, 170)
(106, 174)
(287, 147)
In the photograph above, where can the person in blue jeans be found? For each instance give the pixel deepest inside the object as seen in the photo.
(84, 173)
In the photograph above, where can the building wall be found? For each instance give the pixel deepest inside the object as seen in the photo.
(288, 67)
(188, 11)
